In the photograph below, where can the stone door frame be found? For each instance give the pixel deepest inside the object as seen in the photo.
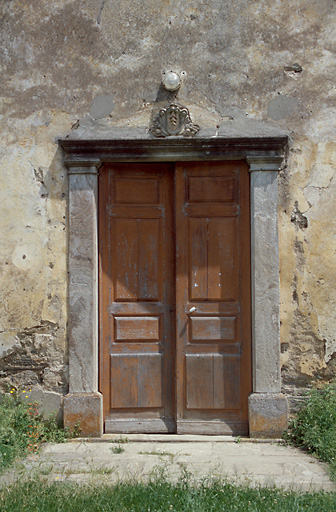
(265, 157)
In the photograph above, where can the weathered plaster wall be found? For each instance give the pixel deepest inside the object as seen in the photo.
(308, 249)
(73, 66)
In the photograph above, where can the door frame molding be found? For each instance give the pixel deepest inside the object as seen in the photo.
(83, 158)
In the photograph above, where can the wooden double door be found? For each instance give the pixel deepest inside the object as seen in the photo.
(175, 308)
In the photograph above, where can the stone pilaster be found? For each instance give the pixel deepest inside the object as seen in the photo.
(83, 404)
(267, 406)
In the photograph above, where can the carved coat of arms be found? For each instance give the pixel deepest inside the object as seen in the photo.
(174, 120)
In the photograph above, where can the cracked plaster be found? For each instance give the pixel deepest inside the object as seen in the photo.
(59, 56)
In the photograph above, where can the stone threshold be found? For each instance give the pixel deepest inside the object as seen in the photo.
(173, 438)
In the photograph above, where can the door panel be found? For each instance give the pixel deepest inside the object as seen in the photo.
(213, 293)
(175, 315)
(213, 328)
(137, 254)
(136, 381)
(213, 260)
(209, 381)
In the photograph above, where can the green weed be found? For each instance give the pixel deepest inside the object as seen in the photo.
(117, 449)
(314, 427)
(159, 454)
(96, 470)
(22, 430)
(120, 440)
(102, 470)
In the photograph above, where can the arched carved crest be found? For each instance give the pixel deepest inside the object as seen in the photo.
(172, 121)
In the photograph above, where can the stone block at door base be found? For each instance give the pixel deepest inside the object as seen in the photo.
(268, 414)
(86, 411)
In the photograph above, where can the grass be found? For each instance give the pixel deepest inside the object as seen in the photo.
(314, 427)
(120, 440)
(22, 430)
(156, 452)
(117, 449)
(159, 454)
(159, 496)
(94, 470)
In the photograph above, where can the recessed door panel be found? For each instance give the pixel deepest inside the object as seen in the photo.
(134, 190)
(137, 255)
(136, 328)
(136, 381)
(213, 258)
(213, 328)
(209, 382)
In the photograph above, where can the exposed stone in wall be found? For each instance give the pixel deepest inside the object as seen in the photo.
(73, 66)
(34, 360)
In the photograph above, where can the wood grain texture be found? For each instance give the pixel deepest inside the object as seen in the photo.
(216, 328)
(136, 191)
(150, 250)
(213, 381)
(211, 189)
(139, 328)
(224, 427)
(125, 258)
(223, 259)
(198, 250)
(136, 381)
(134, 426)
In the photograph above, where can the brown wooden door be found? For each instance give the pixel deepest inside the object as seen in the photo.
(175, 323)
(137, 297)
(213, 347)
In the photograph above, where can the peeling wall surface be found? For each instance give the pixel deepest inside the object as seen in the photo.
(78, 68)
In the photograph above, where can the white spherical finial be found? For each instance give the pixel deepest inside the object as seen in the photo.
(171, 80)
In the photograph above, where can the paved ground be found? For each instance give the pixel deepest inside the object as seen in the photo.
(140, 457)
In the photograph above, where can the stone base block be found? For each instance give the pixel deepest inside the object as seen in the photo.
(85, 410)
(49, 404)
(268, 414)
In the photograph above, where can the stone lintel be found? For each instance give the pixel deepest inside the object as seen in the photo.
(268, 413)
(84, 410)
(93, 152)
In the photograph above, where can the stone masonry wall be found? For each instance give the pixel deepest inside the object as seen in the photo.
(77, 66)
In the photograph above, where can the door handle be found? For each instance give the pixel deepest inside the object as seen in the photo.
(192, 310)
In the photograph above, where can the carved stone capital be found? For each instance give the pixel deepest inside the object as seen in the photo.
(265, 163)
(172, 121)
(83, 169)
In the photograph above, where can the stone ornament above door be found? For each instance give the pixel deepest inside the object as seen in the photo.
(265, 156)
(172, 121)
